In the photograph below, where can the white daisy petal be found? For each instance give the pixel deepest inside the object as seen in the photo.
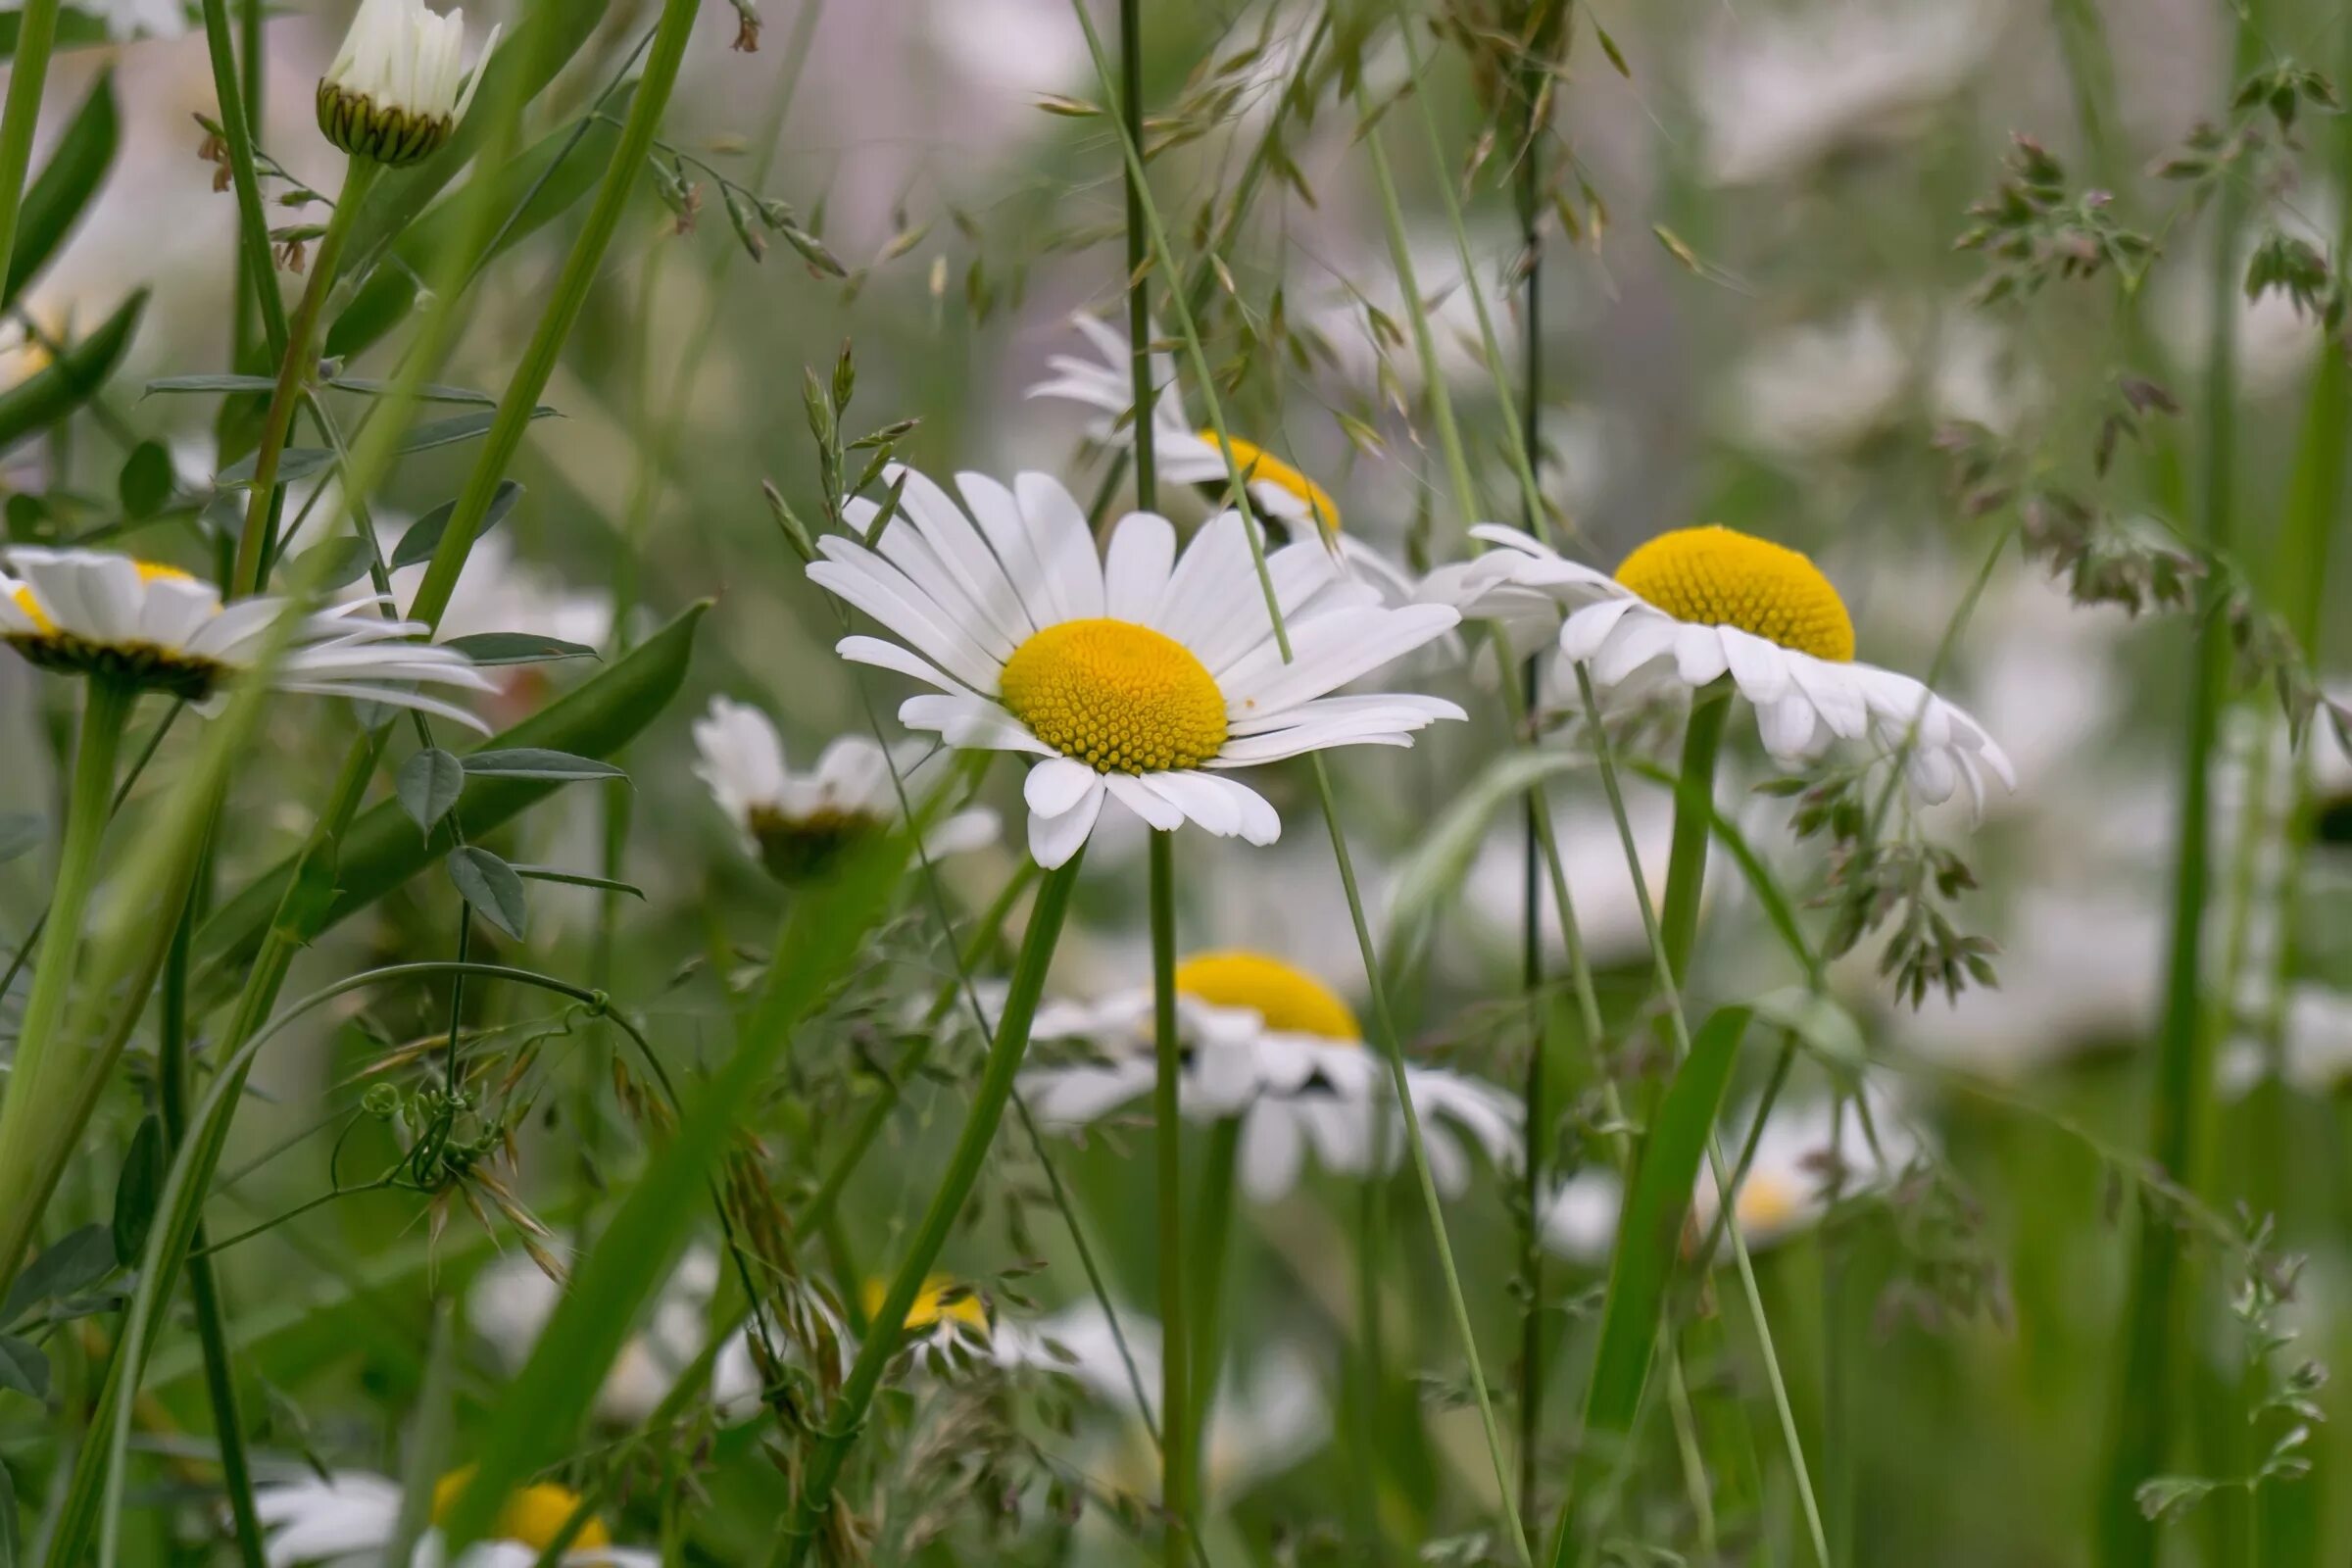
(1054, 840)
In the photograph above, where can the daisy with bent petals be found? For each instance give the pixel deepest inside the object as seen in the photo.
(798, 824)
(1187, 455)
(1269, 1044)
(1144, 677)
(346, 1521)
(158, 628)
(1698, 605)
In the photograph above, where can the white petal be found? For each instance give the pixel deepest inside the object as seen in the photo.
(1583, 633)
(1065, 546)
(1056, 784)
(1760, 668)
(1143, 552)
(1053, 840)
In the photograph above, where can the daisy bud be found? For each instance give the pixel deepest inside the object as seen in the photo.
(397, 88)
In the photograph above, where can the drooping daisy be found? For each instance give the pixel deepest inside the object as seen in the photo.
(1187, 453)
(348, 1519)
(800, 824)
(1700, 605)
(158, 628)
(1144, 677)
(1271, 1044)
(1808, 1156)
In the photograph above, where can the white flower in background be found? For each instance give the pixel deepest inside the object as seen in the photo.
(1187, 455)
(1142, 678)
(1830, 385)
(126, 19)
(1270, 1044)
(502, 592)
(1778, 90)
(1262, 1422)
(1807, 1156)
(90, 613)
(1608, 908)
(2315, 1045)
(1694, 606)
(399, 85)
(346, 1521)
(800, 824)
(511, 1301)
(2274, 342)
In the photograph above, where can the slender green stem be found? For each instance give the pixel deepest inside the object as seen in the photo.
(1391, 1049)
(1138, 251)
(846, 1419)
(2146, 1409)
(1211, 1254)
(173, 1081)
(1177, 1448)
(28, 74)
(42, 1068)
(257, 278)
(1693, 823)
(294, 369)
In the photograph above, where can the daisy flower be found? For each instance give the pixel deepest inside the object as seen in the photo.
(1271, 1044)
(1696, 606)
(347, 1519)
(798, 824)
(158, 628)
(1190, 455)
(399, 85)
(1807, 1156)
(1142, 678)
(947, 1322)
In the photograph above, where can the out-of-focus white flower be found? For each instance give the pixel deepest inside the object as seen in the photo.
(1270, 1044)
(1776, 90)
(2316, 1045)
(502, 592)
(1608, 911)
(798, 824)
(91, 612)
(1807, 1156)
(511, 1301)
(347, 1519)
(2274, 340)
(1828, 386)
(126, 19)
(398, 86)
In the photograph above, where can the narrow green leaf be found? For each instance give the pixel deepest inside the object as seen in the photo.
(12, 1546)
(491, 886)
(602, 715)
(294, 463)
(536, 762)
(337, 563)
(429, 784)
(490, 648)
(72, 380)
(145, 484)
(211, 384)
(430, 392)
(417, 544)
(1650, 1235)
(300, 463)
(136, 1187)
(62, 189)
(459, 427)
(76, 1260)
(578, 880)
(24, 1368)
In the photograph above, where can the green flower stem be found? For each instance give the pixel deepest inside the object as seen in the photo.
(30, 1113)
(1693, 820)
(256, 276)
(28, 74)
(1213, 1248)
(846, 1419)
(1139, 250)
(1178, 1446)
(295, 368)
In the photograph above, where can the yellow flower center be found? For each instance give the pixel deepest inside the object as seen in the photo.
(1119, 697)
(927, 1312)
(1288, 998)
(1717, 576)
(533, 1515)
(1257, 466)
(148, 571)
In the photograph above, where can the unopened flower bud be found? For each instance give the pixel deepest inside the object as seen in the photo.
(398, 86)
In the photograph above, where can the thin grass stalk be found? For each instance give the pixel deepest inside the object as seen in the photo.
(295, 368)
(1178, 1446)
(847, 1417)
(257, 273)
(2178, 1134)
(19, 119)
(1212, 1255)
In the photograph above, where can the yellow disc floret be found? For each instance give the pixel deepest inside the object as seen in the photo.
(1119, 697)
(1718, 576)
(148, 571)
(1288, 998)
(1257, 466)
(926, 1312)
(533, 1515)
